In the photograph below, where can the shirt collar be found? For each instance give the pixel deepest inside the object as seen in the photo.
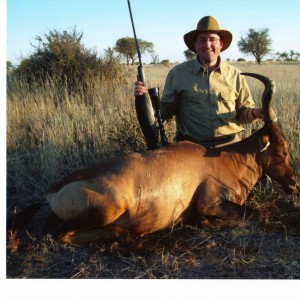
(198, 67)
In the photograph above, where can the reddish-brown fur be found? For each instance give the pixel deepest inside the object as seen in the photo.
(143, 193)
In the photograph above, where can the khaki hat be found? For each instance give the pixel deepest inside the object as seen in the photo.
(208, 24)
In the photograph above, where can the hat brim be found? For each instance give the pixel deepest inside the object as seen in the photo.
(190, 38)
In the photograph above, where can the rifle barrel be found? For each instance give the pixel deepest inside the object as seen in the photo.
(134, 33)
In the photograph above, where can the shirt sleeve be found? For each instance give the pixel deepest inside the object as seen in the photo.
(170, 100)
(245, 103)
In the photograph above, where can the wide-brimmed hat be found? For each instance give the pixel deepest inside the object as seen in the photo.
(207, 24)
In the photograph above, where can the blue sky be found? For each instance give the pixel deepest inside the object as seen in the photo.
(163, 22)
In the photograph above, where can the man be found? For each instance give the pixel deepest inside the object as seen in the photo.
(209, 97)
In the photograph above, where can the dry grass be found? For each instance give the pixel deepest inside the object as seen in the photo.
(51, 133)
(267, 250)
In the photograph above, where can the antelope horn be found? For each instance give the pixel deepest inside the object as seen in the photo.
(267, 96)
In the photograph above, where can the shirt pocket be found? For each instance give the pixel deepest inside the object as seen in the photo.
(227, 102)
(196, 99)
(227, 106)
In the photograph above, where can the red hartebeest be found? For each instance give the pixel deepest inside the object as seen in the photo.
(143, 193)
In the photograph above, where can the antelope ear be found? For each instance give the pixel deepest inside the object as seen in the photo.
(265, 143)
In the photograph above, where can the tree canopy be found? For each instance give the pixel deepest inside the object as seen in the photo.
(256, 42)
(127, 48)
(189, 54)
(287, 56)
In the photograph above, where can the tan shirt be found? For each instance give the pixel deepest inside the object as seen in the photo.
(207, 107)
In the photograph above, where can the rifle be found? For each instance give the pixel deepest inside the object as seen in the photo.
(144, 106)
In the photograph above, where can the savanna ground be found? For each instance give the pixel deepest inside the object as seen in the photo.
(51, 133)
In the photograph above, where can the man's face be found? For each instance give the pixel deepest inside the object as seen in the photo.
(208, 47)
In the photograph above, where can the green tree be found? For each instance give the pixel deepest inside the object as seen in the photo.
(110, 56)
(293, 56)
(155, 58)
(127, 48)
(281, 55)
(9, 68)
(189, 54)
(287, 56)
(257, 43)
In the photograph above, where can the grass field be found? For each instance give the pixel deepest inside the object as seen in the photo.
(51, 133)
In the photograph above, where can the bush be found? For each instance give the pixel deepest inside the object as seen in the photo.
(62, 58)
(165, 62)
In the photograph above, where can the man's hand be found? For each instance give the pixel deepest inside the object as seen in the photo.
(140, 89)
